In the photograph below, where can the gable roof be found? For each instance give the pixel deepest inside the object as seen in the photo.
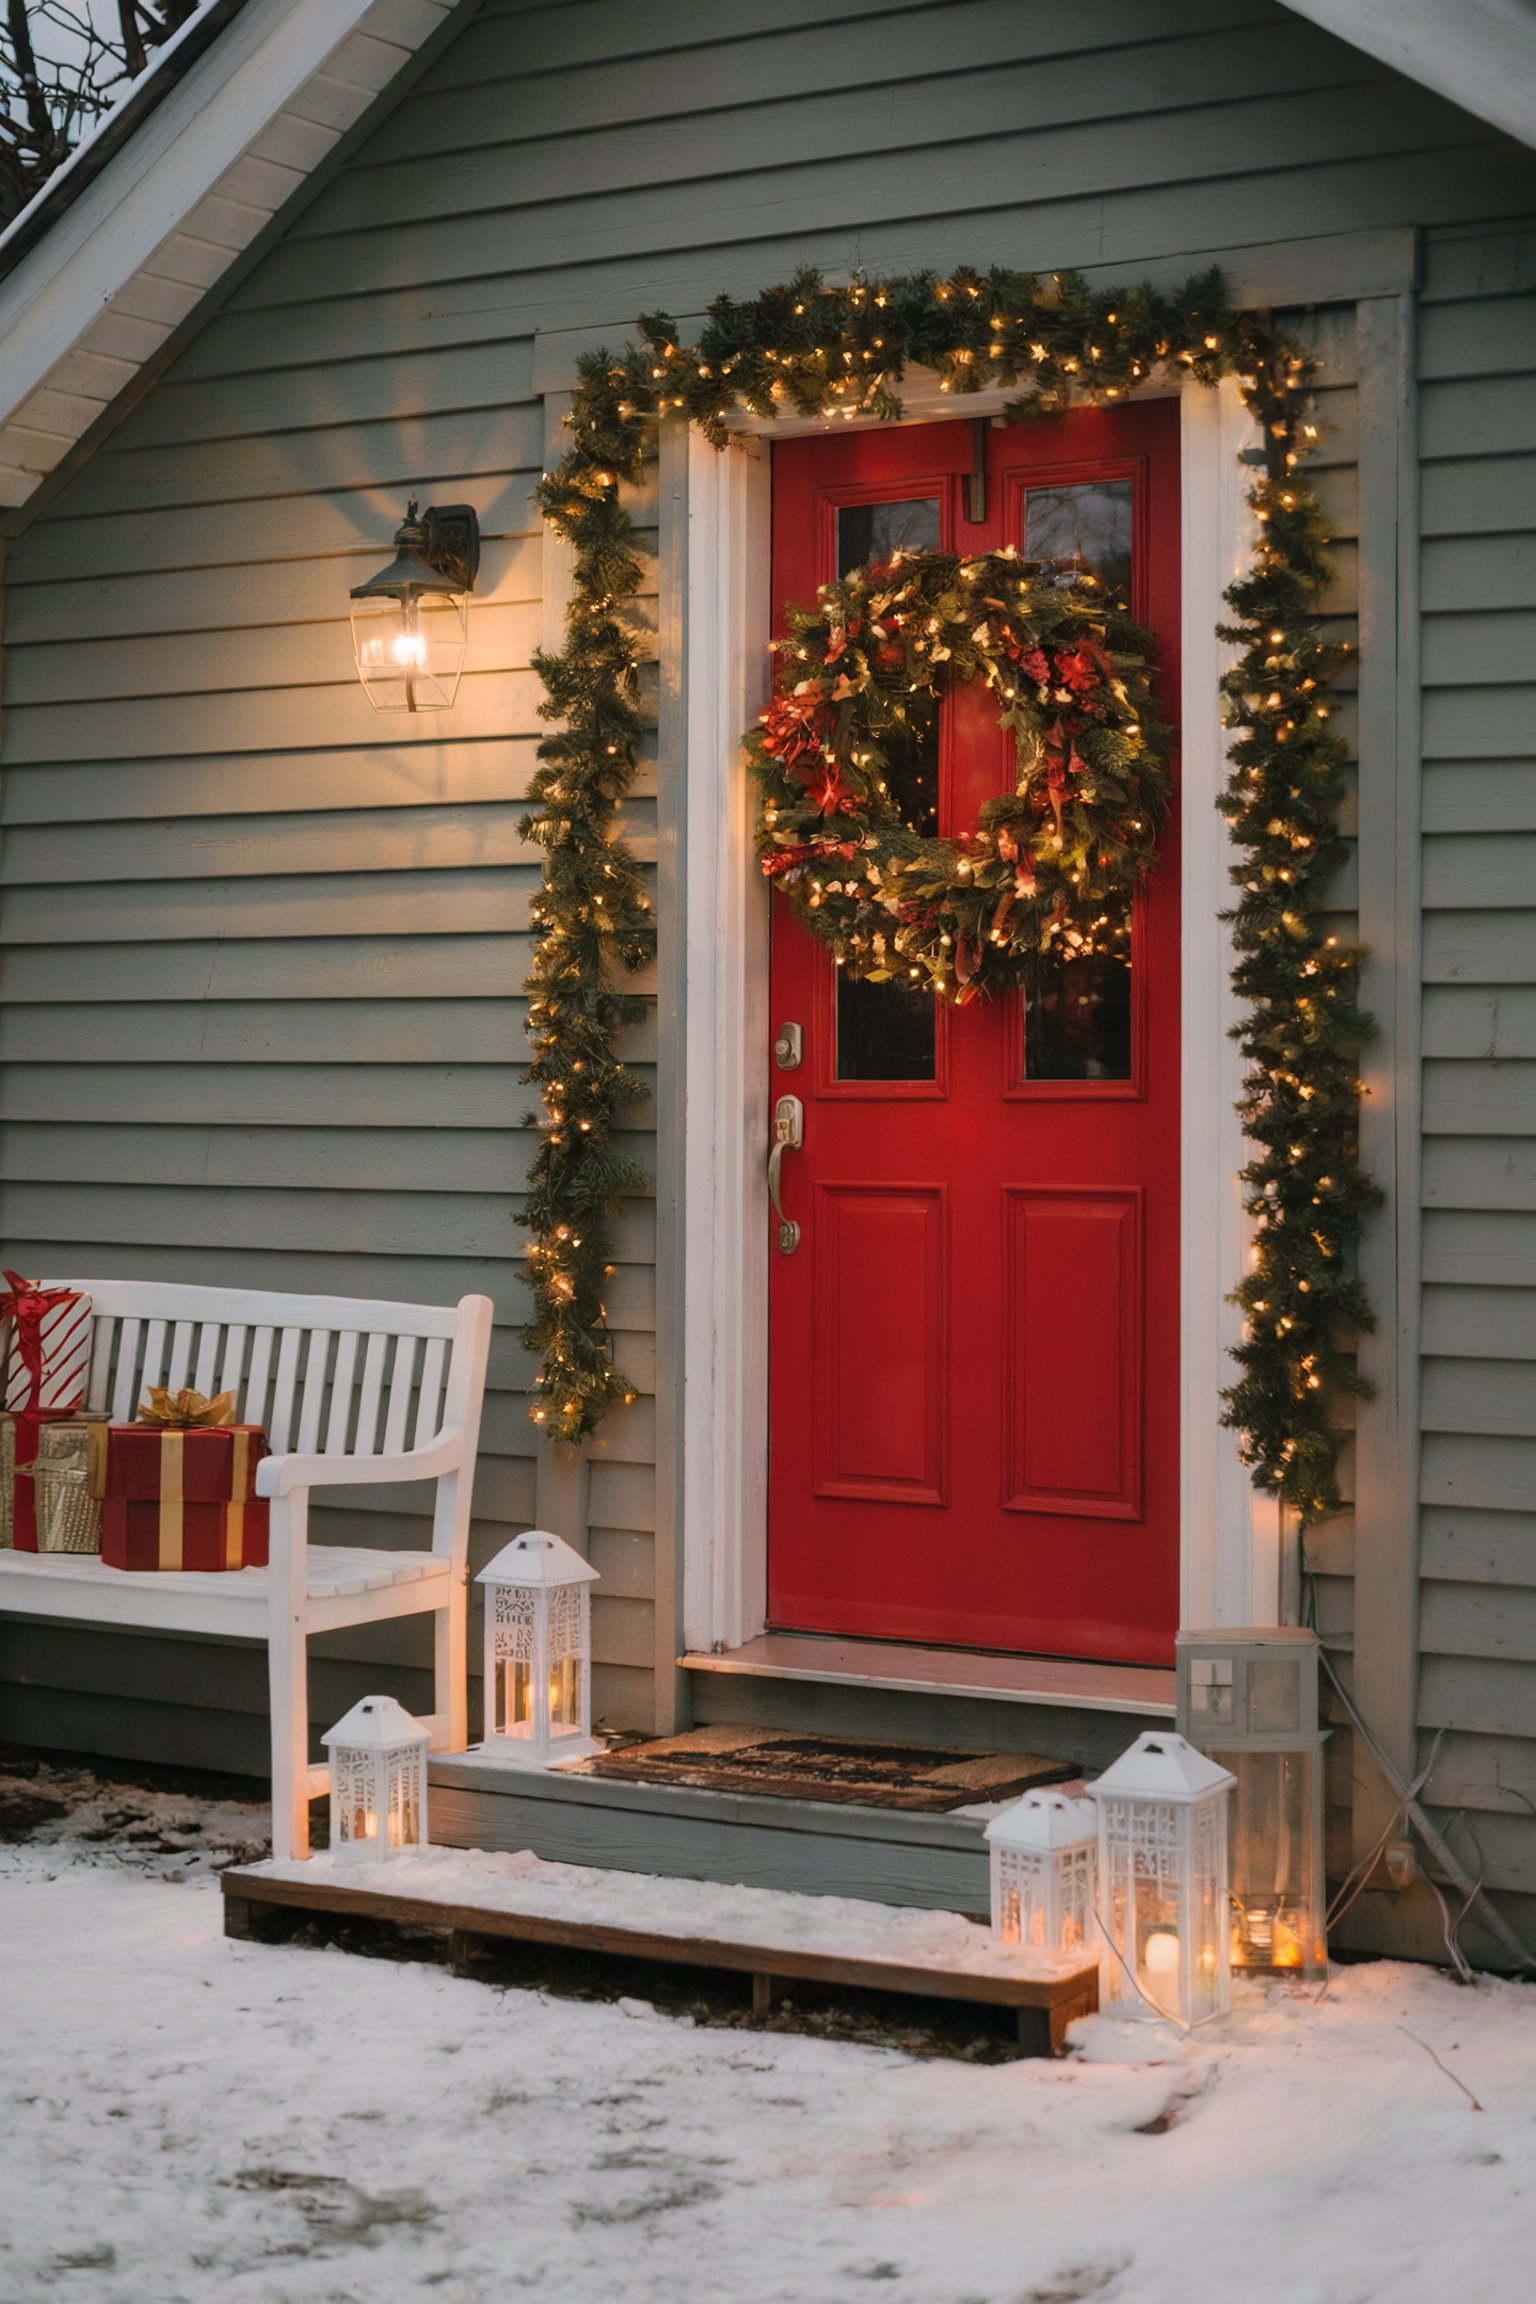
(219, 135)
(1480, 53)
(236, 113)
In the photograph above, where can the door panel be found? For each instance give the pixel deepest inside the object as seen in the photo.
(881, 1269)
(973, 1441)
(1072, 1319)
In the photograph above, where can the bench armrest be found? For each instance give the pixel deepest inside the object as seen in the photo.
(280, 1475)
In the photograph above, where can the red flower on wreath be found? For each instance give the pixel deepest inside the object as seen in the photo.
(795, 729)
(1032, 662)
(1075, 669)
(796, 724)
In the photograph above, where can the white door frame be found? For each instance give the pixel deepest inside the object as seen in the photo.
(720, 527)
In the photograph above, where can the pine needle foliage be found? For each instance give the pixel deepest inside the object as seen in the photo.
(817, 348)
(1052, 866)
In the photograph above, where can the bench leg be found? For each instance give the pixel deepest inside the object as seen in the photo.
(450, 1676)
(288, 1676)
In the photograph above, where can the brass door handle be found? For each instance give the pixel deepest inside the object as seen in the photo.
(788, 1136)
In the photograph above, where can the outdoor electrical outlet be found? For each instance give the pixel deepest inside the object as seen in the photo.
(1399, 1866)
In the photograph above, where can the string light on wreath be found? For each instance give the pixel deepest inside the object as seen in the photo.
(1051, 868)
(818, 349)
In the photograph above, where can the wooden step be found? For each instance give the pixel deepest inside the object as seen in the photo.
(475, 1898)
(885, 1855)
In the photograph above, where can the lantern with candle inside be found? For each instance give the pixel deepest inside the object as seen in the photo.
(538, 1653)
(378, 1757)
(1042, 1851)
(1248, 1699)
(1162, 1901)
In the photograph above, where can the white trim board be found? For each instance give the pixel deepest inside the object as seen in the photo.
(1230, 1538)
(1479, 53)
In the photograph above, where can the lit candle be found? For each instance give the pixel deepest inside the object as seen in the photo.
(1160, 1955)
(1287, 1951)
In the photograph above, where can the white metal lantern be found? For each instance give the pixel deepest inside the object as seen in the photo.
(410, 627)
(378, 1779)
(1044, 1861)
(538, 1653)
(1248, 1699)
(1163, 1881)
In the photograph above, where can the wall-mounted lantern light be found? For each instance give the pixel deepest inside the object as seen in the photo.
(410, 626)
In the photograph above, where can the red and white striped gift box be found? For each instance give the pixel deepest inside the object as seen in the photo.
(65, 1330)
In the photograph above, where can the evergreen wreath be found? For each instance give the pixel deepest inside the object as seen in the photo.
(816, 348)
(1052, 866)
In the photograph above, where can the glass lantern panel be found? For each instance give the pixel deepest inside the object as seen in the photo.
(564, 1697)
(1277, 1907)
(1210, 1691)
(1274, 1696)
(517, 1699)
(404, 1800)
(355, 1797)
(567, 1646)
(1156, 1947)
(410, 653)
(1163, 1902)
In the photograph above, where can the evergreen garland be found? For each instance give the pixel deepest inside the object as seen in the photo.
(818, 349)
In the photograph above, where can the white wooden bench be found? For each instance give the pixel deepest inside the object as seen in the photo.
(321, 1374)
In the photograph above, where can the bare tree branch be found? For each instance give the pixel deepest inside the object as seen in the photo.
(62, 64)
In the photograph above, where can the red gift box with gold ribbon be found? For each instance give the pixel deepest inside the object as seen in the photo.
(179, 1492)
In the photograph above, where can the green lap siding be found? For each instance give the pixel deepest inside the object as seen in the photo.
(1477, 365)
(262, 1013)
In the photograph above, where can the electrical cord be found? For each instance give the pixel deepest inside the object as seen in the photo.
(1408, 1807)
(1350, 1887)
(1433, 1840)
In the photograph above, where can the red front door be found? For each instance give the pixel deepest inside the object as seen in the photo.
(974, 1348)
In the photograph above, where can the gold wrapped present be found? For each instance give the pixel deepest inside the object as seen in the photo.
(65, 1471)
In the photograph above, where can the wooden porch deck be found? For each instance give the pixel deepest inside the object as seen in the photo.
(478, 1900)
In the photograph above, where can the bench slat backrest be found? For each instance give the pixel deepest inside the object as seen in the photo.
(315, 1371)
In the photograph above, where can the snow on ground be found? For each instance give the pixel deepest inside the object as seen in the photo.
(187, 2118)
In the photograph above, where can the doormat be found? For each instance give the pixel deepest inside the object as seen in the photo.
(789, 1767)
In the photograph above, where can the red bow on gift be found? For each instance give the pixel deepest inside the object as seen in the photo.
(26, 1304)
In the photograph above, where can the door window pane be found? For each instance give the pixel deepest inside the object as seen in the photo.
(872, 532)
(1084, 529)
(912, 773)
(1077, 1021)
(884, 1031)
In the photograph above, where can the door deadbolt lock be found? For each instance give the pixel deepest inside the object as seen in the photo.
(788, 1136)
(789, 1047)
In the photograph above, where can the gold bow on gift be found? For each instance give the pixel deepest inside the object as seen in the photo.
(186, 1411)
